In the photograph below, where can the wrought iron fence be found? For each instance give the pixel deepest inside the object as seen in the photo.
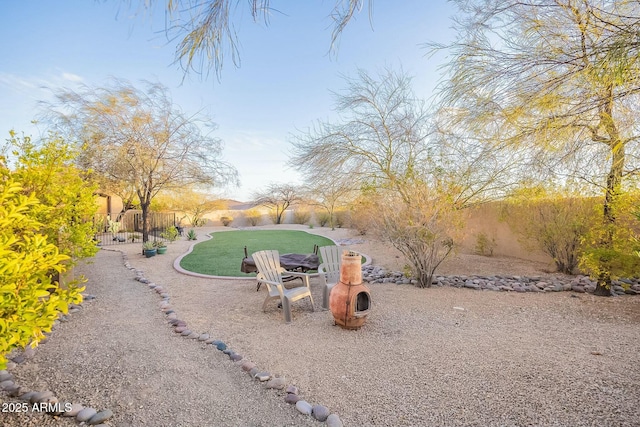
(127, 227)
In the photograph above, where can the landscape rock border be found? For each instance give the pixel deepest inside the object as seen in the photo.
(270, 381)
(580, 284)
(46, 401)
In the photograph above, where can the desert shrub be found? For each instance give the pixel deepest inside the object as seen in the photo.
(253, 217)
(423, 230)
(199, 222)
(323, 218)
(555, 223)
(192, 235)
(170, 234)
(342, 218)
(226, 220)
(301, 216)
(360, 215)
(275, 217)
(484, 245)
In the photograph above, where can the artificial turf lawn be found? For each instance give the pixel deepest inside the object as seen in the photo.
(222, 254)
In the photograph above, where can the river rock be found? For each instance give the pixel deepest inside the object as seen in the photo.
(292, 389)
(247, 366)
(263, 376)
(276, 383)
(75, 409)
(291, 398)
(86, 414)
(320, 413)
(304, 407)
(100, 417)
(334, 421)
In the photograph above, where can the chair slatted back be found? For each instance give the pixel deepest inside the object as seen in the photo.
(331, 260)
(268, 263)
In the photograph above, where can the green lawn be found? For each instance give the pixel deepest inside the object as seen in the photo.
(223, 253)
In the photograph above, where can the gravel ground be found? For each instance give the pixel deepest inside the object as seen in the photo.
(425, 357)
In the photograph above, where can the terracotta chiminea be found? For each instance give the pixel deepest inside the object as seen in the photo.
(350, 300)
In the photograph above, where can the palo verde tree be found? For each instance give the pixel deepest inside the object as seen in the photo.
(278, 198)
(206, 35)
(139, 142)
(559, 77)
(385, 146)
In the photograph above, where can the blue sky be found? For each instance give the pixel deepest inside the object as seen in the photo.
(283, 86)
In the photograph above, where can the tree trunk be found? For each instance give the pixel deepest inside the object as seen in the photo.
(614, 180)
(145, 222)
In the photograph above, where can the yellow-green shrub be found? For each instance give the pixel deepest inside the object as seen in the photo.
(30, 301)
(610, 247)
(65, 211)
(253, 217)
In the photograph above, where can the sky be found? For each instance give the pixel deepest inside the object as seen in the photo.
(286, 81)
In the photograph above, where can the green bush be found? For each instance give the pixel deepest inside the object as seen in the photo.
(66, 211)
(192, 235)
(44, 228)
(484, 245)
(30, 299)
(170, 234)
(609, 249)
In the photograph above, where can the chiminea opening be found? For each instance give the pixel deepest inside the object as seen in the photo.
(362, 302)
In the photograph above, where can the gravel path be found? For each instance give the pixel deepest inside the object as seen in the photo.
(119, 353)
(425, 357)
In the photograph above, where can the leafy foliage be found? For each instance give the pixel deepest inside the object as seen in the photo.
(558, 80)
(611, 246)
(555, 222)
(170, 234)
(139, 143)
(323, 218)
(206, 34)
(44, 228)
(30, 301)
(484, 245)
(65, 211)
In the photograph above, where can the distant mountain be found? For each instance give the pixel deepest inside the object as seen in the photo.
(234, 205)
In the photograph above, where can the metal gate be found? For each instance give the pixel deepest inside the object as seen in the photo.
(127, 227)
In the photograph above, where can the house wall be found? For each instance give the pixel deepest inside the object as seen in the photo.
(109, 205)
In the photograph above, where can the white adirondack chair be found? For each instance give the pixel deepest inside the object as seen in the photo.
(270, 273)
(329, 271)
